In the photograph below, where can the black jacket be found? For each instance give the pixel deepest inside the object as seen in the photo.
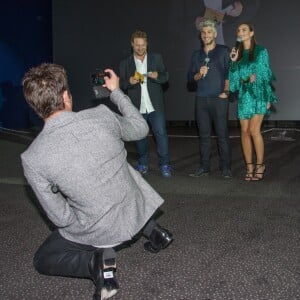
(154, 63)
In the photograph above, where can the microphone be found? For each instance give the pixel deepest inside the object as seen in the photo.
(236, 46)
(206, 61)
(237, 43)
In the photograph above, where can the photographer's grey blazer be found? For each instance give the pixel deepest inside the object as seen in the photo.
(154, 63)
(106, 201)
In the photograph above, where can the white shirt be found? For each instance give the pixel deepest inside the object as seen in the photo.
(146, 104)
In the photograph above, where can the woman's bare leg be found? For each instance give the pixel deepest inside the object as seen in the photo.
(246, 141)
(258, 141)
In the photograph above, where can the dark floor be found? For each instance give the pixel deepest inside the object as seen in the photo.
(234, 240)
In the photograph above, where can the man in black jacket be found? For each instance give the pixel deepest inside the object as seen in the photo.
(142, 75)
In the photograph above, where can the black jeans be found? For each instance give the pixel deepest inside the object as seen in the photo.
(213, 112)
(58, 256)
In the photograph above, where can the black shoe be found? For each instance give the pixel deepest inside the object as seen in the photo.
(95, 267)
(226, 173)
(110, 286)
(159, 239)
(199, 173)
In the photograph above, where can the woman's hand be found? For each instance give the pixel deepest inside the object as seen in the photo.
(252, 77)
(234, 54)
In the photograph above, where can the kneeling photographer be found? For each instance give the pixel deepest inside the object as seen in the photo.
(77, 166)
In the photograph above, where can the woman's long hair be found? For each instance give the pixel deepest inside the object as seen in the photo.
(252, 46)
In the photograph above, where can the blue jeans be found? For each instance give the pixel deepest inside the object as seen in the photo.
(213, 111)
(158, 125)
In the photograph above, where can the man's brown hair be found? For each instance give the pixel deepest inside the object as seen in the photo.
(43, 88)
(139, 34)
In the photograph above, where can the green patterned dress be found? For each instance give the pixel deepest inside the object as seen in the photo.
(252, 96)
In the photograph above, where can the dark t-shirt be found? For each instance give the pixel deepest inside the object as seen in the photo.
(218, 62)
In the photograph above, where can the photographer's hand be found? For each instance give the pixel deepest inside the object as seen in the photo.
(112, 81)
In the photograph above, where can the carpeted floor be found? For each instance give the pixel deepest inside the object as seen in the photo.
(234, 240)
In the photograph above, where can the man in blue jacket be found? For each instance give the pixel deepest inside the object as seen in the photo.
(209, 70)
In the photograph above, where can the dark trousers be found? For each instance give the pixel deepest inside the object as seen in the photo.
(213, 112)
(58, 256)
(158, 126)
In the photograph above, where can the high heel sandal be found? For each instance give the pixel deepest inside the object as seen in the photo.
(249, 172)
(259, 175)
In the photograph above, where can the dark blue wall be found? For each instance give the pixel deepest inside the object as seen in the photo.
(25, 41)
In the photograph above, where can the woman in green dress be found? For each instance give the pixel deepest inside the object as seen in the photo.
(251, 77)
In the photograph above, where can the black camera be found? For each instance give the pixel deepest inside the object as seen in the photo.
(98, 77)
